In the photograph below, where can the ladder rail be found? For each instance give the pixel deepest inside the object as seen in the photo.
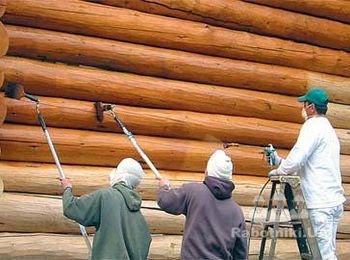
(267, 219)
(277, 221)
(290, 190)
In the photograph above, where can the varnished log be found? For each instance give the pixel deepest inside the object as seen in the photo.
(140, 59)
(132, 26)
(2, 7)
(249, 17)
(2, 78)
(41, 179)
(333, 9)
(4, 39)
(66, 113)
(27, 143)
(3, 109)
(23, 213)
(121, 88)
(72, 247)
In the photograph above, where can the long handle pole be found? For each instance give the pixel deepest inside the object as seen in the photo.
(60, 170)
(136, 145)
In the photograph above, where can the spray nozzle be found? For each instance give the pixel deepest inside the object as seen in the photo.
(269, 152)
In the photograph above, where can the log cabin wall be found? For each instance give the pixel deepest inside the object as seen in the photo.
(187, 77)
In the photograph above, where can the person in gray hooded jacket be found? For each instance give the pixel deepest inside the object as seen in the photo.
(121, 230)
(215, 226)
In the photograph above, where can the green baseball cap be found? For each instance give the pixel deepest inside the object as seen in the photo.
(316, 96)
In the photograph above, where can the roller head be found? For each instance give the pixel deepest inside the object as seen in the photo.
(13, 90)
(99, 111)
(100, 108)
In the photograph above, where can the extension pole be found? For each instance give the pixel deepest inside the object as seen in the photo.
(59, 167)
(135, 144)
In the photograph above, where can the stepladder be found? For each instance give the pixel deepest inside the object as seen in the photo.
(286, 191)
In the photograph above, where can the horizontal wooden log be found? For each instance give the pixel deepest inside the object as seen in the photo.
(2, 7)
(133, 26)
(333, 9)
(72, 247)
(121, 56)
(23, 213)
(107, 149)
(66, 113)
(2, 78)
(4, 39)
(27, 143)
(26, 212)
(121, 88)
(249, 17)
(3, 108)
(40, 178)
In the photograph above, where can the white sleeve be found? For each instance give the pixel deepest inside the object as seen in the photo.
(307, 142)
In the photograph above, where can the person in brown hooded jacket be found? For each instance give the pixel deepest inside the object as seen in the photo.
(215, 226)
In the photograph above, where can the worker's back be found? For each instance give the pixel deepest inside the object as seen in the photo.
(121, 230)
(320, 173)
(215, 227)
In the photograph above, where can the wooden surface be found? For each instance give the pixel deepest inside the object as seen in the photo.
(2, 7)
(209, 85)
(122, 88)
(40, 214)
(23, 213)
(4, 39)
(106, 149)
(72, 247)
(165, 63)
(249, 17)
(333, 9)
(122, 24)
(67, 113)
(40, 178)
(3, 108)
(2, 78)
(132, 90)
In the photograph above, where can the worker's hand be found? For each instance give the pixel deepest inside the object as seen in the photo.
(164, 182)
(65, 183)
(275, 172)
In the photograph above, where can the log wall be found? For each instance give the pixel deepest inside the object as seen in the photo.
(333, 9)
(257, 19)
(132, 26)
(187, 77)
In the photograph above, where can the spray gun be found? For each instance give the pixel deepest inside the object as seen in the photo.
(270, 155)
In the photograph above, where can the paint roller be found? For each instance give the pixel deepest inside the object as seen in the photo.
(16, 91)
(100, 109)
